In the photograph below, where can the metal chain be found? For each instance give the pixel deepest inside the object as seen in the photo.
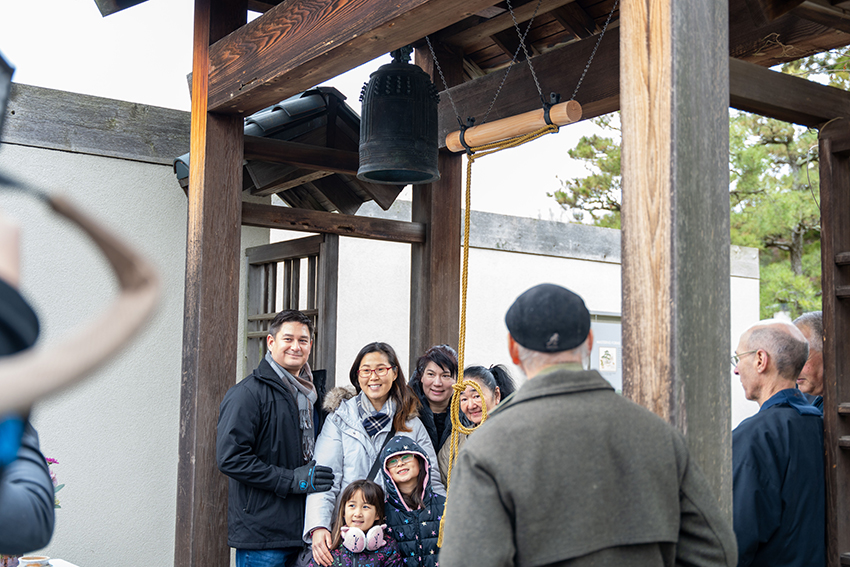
(595, 47)
(522, 43)
(516, 53)
(442, 77)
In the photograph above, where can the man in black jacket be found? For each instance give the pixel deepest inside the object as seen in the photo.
(267, 428)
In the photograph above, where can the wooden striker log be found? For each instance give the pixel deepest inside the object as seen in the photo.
(560, 114)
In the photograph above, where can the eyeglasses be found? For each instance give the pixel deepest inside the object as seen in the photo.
(380, 372)
(736, 358)
(397, 461)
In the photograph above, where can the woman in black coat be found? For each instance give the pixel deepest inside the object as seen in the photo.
(432, 381)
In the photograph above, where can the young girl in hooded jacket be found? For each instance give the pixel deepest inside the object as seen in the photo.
(412, 509)
(359, 538)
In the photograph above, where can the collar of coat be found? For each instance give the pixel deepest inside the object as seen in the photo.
(554, 381)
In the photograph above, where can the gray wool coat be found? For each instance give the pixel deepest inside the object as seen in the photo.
(567, 472)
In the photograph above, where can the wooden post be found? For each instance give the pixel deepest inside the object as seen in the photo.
(211, 301)
(435, 264)
(676, 343)
(835, 258)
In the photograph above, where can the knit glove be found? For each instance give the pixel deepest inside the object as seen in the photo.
(311, 478)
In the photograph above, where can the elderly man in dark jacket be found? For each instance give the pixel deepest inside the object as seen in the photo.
(567, 472)
(777, 454)
(267, 430)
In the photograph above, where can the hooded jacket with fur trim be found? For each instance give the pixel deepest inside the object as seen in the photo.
(345, 447)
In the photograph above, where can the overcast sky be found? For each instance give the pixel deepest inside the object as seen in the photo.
(143, 54)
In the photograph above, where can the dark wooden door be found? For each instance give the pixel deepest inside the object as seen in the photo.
(835, 250)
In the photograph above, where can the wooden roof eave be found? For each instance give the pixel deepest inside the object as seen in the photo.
(753, 88)
(293, 47)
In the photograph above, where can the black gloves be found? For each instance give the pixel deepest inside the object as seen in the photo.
(311, 478)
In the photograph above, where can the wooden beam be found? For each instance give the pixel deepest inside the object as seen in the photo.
(303, 220)
(559, 71)
(764, 11)
(675, 218)
(752, 88)
(834, 138)
(260, 6)
(770, 93)
(211, 302)
(294, 179)
(435, 263)
(508, 42)
(306, 156)
(575, 20)
(300, 43)
(824, 14)
(468, 38)
(83, 124)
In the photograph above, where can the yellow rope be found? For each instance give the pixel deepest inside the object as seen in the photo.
(458, 428)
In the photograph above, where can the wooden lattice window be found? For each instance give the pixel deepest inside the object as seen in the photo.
(295, 274)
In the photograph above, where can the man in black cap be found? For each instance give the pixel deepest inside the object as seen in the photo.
(567, 472)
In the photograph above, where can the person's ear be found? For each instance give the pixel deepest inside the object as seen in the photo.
(590, 340)
(269, 341)
(513, 350)
(497, 395)
(762, 360)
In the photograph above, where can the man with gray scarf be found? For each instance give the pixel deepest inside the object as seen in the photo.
(267, 430)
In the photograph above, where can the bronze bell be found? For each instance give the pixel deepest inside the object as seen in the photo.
(398, 127)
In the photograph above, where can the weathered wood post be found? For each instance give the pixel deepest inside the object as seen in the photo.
(675, 97)
(435, 264)
(211, 301)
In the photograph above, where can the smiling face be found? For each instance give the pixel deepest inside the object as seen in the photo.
(404, 470)
(290, 347)
(470, 401)
(437, 385)
(359, 513)
(376, 388)
(810, 380)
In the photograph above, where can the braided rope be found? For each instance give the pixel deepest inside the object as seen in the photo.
(461, 384)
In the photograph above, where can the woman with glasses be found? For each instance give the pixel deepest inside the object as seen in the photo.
(360, 423)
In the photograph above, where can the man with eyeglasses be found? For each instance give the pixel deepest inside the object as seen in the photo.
(568, 472)
(777, 454)
(810, 380)
(267, 430)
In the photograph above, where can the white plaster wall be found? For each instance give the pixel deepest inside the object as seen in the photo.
(115, 435)
(745, 313)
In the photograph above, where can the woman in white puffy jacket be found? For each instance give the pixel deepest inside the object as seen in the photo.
(356, 431)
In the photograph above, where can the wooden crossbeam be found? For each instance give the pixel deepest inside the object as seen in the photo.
(290, 180)
(752, 88)
(559, 73)
(303, 220)
(300, 43)
(824, 14)
(575, 20)
(756, 89)
(306, 156)
(468, 38)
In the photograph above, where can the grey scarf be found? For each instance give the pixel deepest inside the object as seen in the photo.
(305, 393)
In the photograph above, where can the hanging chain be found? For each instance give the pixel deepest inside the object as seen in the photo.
(522, 43)
(442, 77)
(595, 47)
(522, 37)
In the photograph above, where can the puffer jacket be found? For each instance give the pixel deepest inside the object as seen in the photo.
(345, 447)
(415, 530)
(386, 556)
